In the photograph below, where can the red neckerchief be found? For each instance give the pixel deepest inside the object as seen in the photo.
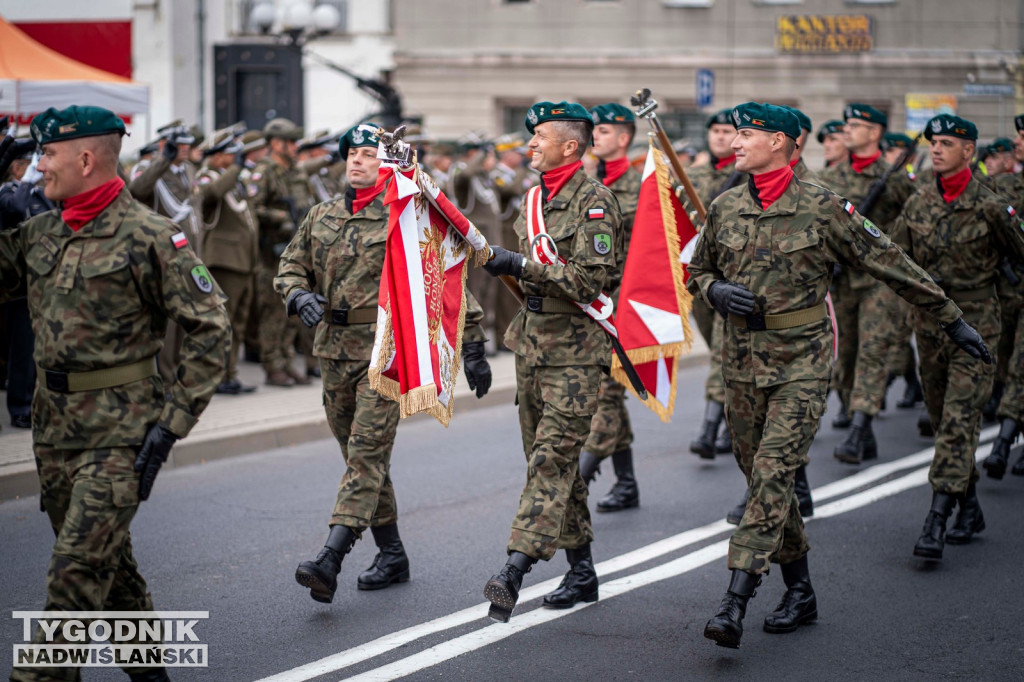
(792, 164)
(767, 187)
(722, 163)
(364, 196)
(953, 186)
(554, 180)
(82, 208)
(859, 163)
(610, 171)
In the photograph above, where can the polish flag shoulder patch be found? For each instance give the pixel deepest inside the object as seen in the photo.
(849, 208)
(595, 214)
(1009, 209)
(179, 240)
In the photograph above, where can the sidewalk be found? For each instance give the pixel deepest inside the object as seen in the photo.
(271, 417)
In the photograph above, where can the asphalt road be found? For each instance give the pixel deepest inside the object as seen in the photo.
(225, 538)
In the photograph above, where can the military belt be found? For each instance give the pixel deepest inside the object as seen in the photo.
(545, 304)
(758, 322)
(972, 295)
(346, 316)
(73, 382)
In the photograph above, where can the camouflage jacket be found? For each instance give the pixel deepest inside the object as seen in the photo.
(1010, 187)
(561, 339)
(843, 180)
(340, 256)
(960, 244)
(802, 172)
(708, 182)
(180, 184)
(231, 240)
(281, 200)
(100, 298)
(784, 255)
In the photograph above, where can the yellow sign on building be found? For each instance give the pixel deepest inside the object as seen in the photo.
(824, 34)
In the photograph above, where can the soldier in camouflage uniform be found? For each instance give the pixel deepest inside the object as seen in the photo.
(957, 230)
(1010, 362)
(764, 259)
(281, 200)
(611, 434)
(830, 137)
(114, 273)
(330, 278)
(562, 354)
(865, 309)
(254, 150)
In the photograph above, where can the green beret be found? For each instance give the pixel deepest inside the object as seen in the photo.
(805, 120)
(865, 112)
(57, 125)
(1001, 144)
(954, 126)
(829, 127)
(1018, 122)
(897, 141)
(283, 129)
(723, 117)
(611, 113)
(767, 117)
(362, 135)
(542, 112)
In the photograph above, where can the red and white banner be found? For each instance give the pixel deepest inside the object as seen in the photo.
(421, 308)
(653, 314)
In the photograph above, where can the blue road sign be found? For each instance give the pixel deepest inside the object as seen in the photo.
(705, 88)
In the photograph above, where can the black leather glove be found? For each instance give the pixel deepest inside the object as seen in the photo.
(969, 340)
(152, 456)
(308, 306)
(170, 150)
(505, 262)
(478, 370)
(728, 297)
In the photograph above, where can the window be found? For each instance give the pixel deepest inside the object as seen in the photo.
(513, 116)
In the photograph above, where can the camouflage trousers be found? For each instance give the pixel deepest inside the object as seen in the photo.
(864, 318)
(556, 407)
(956, 387)
(364, 423)
(1010, 367)
(901, 360)
(712, 327)
(238, 288)
(91, 497)
(610, 429)
(772, 430)
(277, 331)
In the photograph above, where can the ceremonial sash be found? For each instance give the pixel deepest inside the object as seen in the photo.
(177, 209)
(542, 251)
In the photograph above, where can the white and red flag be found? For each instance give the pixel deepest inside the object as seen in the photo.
(653, 314)
(421, 308)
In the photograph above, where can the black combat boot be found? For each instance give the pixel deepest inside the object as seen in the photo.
(723, 446)
(988, 413)
(154, 675)
(995, 463)
(931, 542)
(912, 394)
(969, 520)
(726, 628)
(860, 444)
(391, 565)
(321, 574)
(624, 494)
(705, 443)
(1018, 467)
(502, 590)
(802, 491)
(590, 467)
(735, 514)
(799, 606)
(842, 419)
(925, 426)
(579, 584)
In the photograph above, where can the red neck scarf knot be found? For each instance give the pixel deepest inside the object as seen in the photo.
(954, 185)
(722, 163)
(859, 163)
(610, 171)
(553, 181)
(767, 187)
(82, 208)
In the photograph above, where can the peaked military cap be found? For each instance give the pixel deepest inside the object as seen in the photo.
(613, 112)
(318, 138)
(896, 141)
(362, 135)
(542, 112)
(147, 149)
(1001, 144)
(954, 126)
(865, 112)
(198, 136)
(805, 120)
(829, 127)
(57, 125)
(283, 129)
(1018, 122)
(723, 117)
(220, 141)
(767, 117)
(252, 140)
(510, 142)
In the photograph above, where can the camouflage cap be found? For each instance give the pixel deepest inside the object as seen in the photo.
(252, 140)
(1018, 122)
(542, 112)
(954, 126)
(220, 141)
(57, 125)
(805, 120)
(865, 112)
(362, 135)
(612, 112)
(828, 128)
(1001, 144)
(283, 129)
(767, 117)
(723, 118)
(896, 141)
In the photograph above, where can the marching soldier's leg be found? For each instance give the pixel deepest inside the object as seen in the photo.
(714, 387)
(707, 443)
(274, 327)
(252, 325)
(901, 356)
(846, 305)
(1011, 404)
(236, 287)
(611, 435)
(704, 315)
